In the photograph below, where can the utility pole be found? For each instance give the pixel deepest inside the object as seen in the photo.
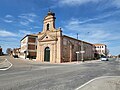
(77, 36)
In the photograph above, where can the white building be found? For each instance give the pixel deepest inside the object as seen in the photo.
(28, 46)
(101, 49)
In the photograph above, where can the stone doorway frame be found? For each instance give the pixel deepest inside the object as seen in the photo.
(47, 54)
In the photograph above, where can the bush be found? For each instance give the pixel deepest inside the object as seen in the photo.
(119, 55)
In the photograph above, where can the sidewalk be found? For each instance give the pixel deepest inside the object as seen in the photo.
(102, 83)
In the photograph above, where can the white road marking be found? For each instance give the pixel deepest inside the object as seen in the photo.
(7, 67)
(94, 80)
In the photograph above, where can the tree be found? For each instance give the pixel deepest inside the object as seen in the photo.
(0, 50)
(119, 55)
(107, 52)
(97, 56)
(9, 51)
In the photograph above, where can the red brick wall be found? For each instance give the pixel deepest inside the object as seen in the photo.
(31, 40)
(31, 47)
(32, 53)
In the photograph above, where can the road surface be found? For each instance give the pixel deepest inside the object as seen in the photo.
(29, 75)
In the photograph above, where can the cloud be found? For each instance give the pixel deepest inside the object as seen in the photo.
(8, 16)
(12, 40)
(116, 3)
(98, 32)
(114, 48)
(37, 27)
(8, 19)
(29, 17)
(103, 32)
(4, 33)
(101, 4)
(9, 42)
(105, 4)
(24, 22)
(101, 17)
(22, 33)
(76, 2)
(25, 32)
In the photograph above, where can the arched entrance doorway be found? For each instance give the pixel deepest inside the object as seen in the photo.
(47, 54)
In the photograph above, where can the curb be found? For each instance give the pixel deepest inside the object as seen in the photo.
(94, 80)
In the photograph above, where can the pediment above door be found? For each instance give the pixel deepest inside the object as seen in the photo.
(47, 37)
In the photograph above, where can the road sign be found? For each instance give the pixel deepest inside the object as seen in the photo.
(82, 51)
(78, 52)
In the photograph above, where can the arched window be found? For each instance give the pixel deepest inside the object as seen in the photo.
(48, 26)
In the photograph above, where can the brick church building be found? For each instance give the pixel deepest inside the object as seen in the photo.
(54, 47)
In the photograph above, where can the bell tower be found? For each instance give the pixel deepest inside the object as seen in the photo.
(49, 22)
(49, 45)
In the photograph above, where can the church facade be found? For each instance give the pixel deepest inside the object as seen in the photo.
(54, 47)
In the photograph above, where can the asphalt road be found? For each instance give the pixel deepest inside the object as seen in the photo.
(28, 75)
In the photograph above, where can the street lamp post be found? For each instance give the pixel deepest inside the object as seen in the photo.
(78, 50)
(82, 50)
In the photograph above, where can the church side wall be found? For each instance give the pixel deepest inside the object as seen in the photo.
(71, 46)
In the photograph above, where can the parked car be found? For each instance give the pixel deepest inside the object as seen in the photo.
(15, 56)
(104, 58)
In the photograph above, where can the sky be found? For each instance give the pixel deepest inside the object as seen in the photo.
(96, 21)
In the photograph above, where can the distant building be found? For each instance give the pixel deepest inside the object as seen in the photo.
(28, 46)
(1, 51)
(54, 47)
(109, 55)
(16, 52)
(101, 49)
